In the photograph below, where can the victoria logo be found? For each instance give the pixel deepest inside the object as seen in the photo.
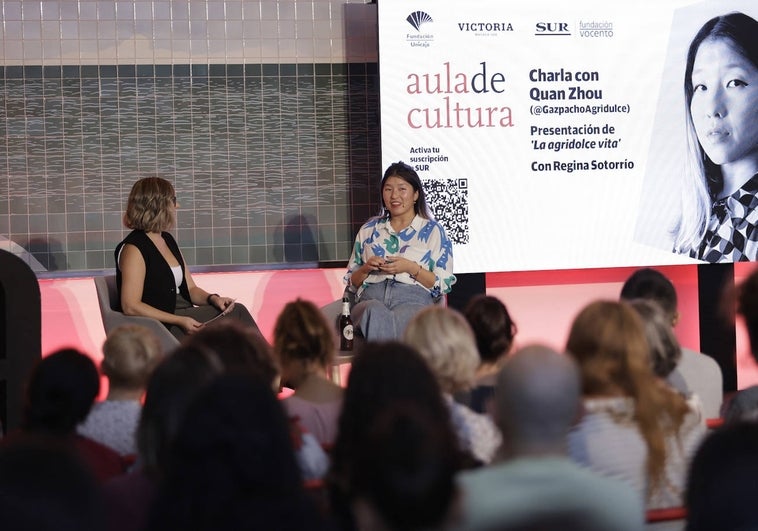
(418, 19)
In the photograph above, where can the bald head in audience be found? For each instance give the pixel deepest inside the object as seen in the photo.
(535, 485)
(537, 400)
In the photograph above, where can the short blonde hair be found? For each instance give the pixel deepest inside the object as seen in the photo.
(444, 339)
(148, 206)
(130, 353)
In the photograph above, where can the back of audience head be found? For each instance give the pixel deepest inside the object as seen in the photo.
(238, 349)
(665, 351)
(384, 373)
(744, 405)
(492, 326)
(722, 486)
(537, 400)
(130, 353)
(171, 388)
(403, 476)
(60, 392)
(46, 487)
(445, 340)
(302, 335)
(747, 306)
(650, 284)
(232, 464)
(608, 341)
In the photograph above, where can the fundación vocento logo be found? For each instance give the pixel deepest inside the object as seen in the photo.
(595, 29)
(421, 38)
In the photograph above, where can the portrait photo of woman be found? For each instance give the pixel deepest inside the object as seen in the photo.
(719, 219)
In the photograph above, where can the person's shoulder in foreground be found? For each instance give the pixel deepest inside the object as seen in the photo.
(744, 404)
(546, 489)
(699, 374)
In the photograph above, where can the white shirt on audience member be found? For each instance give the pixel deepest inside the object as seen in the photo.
(114, 424)
(699, 374)
(607, 440)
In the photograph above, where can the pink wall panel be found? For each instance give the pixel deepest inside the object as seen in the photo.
(543, 304)
(71, 316)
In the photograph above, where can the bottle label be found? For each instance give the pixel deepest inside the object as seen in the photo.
(347, 332)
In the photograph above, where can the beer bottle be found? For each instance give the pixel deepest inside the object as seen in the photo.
(346, 326)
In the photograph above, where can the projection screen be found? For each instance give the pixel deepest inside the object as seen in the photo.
(548, 134)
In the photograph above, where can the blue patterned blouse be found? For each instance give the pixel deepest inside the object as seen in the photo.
(423, 241)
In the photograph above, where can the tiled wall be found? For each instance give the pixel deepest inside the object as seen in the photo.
(263, 114)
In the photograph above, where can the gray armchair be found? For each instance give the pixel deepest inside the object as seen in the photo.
(107, 297)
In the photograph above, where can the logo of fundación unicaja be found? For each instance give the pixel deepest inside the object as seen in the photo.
(417, 19)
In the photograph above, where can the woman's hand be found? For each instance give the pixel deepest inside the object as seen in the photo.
(189, 325)
(375, 263)
(219, 302)
(394, 265)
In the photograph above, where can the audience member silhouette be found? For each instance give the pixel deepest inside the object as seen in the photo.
(47, 487)
(744, 404)
(445, 340)
(403, 475)
(130, 353)
(634, 427)
(171, 388)
(232, 465)
(494, 331)
(304, 345)
(60, 392)
(238, 348)
(241, 349)
(695, 373)
(534, 484)
(721, 487)
(384, 375)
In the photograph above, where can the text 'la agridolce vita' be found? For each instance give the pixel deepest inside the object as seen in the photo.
(451, 84)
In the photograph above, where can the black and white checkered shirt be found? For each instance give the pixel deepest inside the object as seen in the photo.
(732, 234)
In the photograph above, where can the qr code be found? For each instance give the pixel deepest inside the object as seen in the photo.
(448, 201)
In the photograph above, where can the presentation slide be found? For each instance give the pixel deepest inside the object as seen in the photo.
(559, 135)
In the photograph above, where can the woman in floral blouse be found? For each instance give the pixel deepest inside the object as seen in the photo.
(401, 261)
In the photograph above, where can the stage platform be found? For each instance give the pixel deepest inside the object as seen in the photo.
(543, 304)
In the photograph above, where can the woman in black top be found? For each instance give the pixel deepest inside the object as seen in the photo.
(151, 274)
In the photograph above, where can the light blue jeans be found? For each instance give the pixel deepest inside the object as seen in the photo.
(385, 308)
